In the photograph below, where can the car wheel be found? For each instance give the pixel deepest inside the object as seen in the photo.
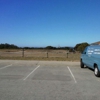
(96, 71)
(81, 64)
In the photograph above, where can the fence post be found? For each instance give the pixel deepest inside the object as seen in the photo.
(67, 54)
(23, 52)
(47, 54)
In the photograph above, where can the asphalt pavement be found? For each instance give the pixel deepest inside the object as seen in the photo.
(47, 80)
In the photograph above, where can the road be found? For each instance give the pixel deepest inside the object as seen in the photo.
(47, 80)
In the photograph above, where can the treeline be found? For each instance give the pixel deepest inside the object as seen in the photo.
(8, 46)
(12, 46)
(51, 48)
(79, 47)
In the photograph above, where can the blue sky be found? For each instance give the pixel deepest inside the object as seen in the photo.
(39, 23)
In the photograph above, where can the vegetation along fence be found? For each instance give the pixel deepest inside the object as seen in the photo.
(38, 53)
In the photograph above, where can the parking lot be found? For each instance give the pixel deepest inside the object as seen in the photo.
(47, 80)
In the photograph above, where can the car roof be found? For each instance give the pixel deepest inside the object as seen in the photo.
(94, 46)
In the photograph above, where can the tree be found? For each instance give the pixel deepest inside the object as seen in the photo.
(80, 47)
(50, 47)
(77, 45)
(8, 46)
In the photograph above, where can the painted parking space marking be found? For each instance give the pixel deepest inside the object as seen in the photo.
(72, 74)
(6, 66)
(31, 72)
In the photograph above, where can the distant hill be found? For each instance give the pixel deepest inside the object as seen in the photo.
(96, 43)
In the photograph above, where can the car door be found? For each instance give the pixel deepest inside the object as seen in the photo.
(89, 57)
(85, 56)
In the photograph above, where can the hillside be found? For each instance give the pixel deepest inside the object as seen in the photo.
(96, 43)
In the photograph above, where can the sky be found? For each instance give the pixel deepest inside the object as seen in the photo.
(41, 23)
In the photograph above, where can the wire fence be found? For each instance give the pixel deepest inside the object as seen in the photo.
(38, 53)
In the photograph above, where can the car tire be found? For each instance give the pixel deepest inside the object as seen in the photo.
(81, 64)
(96, 71)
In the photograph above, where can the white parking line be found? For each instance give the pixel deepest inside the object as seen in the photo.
(6, 66)
(31, 72)
(72, 74)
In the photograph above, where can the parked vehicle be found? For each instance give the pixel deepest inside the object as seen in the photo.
(91, 58)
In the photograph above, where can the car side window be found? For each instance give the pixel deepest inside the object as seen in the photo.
(84, 52)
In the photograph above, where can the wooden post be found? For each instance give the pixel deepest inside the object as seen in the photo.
(23, 52)
(67, 54)
(47, 54)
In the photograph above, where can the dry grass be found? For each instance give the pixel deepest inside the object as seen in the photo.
(39, 54)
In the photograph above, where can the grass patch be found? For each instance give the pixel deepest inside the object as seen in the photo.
(53, 55)
(39, 58)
